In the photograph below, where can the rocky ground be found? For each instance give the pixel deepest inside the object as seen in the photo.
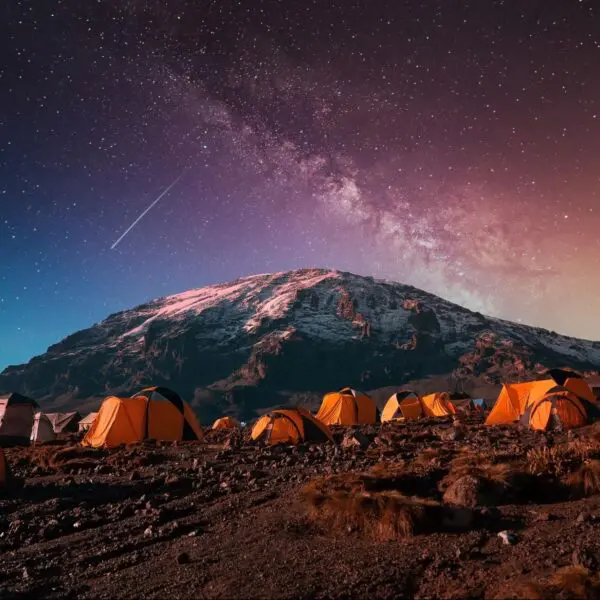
(431, 509)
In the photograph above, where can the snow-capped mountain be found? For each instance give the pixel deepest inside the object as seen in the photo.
(238, 345)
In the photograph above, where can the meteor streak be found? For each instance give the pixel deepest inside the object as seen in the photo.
(166, 191)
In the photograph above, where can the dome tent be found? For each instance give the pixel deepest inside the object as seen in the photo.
(290, 426)
(402, 405)
(565, 396)
(64, 422)
(16, 419)
(347, 407)
(154, 413)
(42, 430)
(438, 405)
(225, 423)
(87, 422)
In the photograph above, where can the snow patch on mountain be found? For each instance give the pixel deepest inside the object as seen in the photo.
(282, 296)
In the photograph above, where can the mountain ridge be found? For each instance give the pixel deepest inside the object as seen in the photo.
(244, 345)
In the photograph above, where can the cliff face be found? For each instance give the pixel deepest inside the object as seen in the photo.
(238, 345)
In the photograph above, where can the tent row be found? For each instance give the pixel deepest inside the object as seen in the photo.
(160, 413)
(350, 407)
(564, 399)
(21, 422)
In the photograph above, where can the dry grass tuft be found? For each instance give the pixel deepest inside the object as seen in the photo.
(559, 460)
(73, 458)
(574, 464)
(547, 461)
(481, 466)
(430, 457)
(569, 583)
(522, 590)
(389, 470)
(576, 582)
(342, 504)
(586, 480)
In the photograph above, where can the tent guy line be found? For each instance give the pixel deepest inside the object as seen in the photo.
(148, 209)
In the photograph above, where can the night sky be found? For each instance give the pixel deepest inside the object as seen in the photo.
(453, 145)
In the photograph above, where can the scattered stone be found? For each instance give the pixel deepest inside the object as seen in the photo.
(582, 518)
(453, 434)
(195, 532)
(355, 439)
(149, 532)
(509, 538)
(51, 530)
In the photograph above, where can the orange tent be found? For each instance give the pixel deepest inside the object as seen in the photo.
(290, 426)
(225, 423)
(402, 405)
(155, 413)
(567, 408)
(438, 405)
(347, 407)
(514, 399)
(532, 402)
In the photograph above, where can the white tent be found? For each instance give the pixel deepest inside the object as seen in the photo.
(42, 430)
(16, 418)
(87, 421)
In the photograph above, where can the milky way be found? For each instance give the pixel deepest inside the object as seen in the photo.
(449, 145)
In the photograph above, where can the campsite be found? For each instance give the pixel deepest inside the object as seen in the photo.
(435, 501)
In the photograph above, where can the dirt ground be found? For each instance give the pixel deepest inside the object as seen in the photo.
(229, 519)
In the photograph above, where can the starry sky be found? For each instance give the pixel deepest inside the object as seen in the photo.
(452, 145)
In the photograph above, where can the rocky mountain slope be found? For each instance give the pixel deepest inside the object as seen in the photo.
(243, 346)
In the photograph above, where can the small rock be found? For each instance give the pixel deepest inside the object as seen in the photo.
(183, 558)
(452, 434)
(148, 532)
(355, 439)
(134, 476)
(582, 518)
(509, 538)
(51, 530)
(195, 532)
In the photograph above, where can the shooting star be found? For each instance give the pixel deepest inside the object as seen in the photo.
(164, 193)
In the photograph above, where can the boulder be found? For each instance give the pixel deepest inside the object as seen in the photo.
(355, 440)
(452, 434)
